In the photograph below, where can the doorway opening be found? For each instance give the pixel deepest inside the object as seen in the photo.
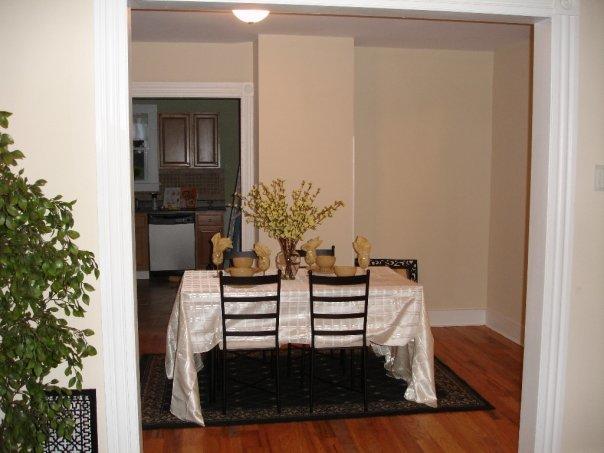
(556, 37)
(186, 169)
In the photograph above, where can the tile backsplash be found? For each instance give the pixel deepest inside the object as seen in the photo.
(209, 183)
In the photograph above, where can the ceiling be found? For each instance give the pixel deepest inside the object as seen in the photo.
(222, 26)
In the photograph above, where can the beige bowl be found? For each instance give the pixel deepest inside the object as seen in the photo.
(241, 271)
(243, 261)
(326, 261)
(345, 271)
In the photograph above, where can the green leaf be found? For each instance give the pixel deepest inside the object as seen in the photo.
(12, 211)
(4, 119)
(5, 140)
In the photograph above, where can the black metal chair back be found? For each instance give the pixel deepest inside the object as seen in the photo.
(410, 265)
(315, 280)
(225, 300)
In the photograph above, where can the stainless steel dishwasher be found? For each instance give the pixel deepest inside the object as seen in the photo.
(172, 241)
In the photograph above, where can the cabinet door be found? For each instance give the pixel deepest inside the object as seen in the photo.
(174, 140)
(207, 224)
(204, 140)
(141, 238)
(204, 246)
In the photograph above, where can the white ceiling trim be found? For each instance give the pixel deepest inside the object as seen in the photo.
(531, 8)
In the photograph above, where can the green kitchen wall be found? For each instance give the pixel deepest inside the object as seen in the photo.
(228, 130)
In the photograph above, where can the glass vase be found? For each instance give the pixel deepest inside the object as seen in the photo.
(288, 260)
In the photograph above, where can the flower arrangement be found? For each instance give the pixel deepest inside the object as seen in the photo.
(268, 209)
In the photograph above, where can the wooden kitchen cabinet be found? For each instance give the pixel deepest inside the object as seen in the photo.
(174, 130)
(207, 224)
(204, 140)
(141, 239)
(188, 140)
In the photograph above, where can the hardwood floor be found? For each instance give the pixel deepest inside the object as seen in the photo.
(155, 301)
(487, 361)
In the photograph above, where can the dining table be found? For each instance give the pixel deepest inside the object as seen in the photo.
(397, 329)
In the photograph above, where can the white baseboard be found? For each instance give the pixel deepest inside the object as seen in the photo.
(462, 317)
(504, 325)
(142, 275)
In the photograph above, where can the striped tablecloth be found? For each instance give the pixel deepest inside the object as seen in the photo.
(397, 327)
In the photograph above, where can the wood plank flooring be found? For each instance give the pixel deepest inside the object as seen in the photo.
(487, 361)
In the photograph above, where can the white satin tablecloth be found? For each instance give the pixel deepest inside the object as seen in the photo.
(397, 328)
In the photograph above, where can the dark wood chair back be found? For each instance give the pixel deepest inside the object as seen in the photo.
(315, 280)
(231, 300)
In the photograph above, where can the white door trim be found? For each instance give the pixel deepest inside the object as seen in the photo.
(552, 197)
(243, 91)
(116, 229)
(555, 92)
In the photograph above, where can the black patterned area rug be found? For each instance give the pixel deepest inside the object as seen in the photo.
(249, 405)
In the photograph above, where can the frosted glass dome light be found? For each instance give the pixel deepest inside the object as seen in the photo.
(251, 16)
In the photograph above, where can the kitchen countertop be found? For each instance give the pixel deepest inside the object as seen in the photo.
(180, 211)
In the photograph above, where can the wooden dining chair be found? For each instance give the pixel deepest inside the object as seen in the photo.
(231, 314)
(318, 304)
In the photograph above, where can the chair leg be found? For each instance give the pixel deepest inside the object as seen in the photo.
(277, 380)
(343, 361)
(364, 359)
(212, 365)
(352, 368)
(289, 359)
(224, 381)
(312, 375)
(216, 371)
(302, 368)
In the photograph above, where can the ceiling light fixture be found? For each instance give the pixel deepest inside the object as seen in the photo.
(251, 16)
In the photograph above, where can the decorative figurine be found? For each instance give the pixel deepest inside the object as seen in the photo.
(310, 248)
(363, 248)
(220, 244)
(264, 256)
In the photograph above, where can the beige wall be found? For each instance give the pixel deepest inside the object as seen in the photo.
(47, 82)
(584, 401)
(305, 123)
(509, 188)
(191, 62)
(423, 162)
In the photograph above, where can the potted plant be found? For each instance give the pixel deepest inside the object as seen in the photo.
(268, 209)
(43, 277)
